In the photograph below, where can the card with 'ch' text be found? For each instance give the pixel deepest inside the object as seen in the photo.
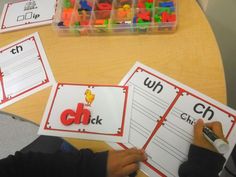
(96, 112)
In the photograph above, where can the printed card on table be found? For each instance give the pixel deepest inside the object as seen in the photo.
(163, 115)
(93, 112)
(24, 70)
(27, 13)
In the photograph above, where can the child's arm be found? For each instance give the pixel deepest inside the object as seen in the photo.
(203, 159)
(83, 163)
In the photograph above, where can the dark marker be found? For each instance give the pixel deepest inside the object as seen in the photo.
(221, 146)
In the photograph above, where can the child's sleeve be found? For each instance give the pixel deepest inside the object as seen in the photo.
(201, 163)
(83, 163)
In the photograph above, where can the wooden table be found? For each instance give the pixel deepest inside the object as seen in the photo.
(190, 55)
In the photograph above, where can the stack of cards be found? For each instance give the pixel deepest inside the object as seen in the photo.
(147, 109)
(156, 112)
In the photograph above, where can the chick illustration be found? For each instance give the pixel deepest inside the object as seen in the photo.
(89, 97)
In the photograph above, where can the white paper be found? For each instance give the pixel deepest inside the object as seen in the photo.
(27, 13)
(24, 70)
(110, 112)
(163, 114)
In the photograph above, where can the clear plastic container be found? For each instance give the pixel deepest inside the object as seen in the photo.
(107, 17)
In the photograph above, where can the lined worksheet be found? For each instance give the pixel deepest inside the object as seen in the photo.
(163, 114)
(24, 69)
(27, 13)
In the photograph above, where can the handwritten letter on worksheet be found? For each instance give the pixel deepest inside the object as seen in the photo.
(163, 115)
(24, 69)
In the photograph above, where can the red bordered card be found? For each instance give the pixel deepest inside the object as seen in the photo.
(24, 69)
(163, 114)
(96, 112)
(27, 13)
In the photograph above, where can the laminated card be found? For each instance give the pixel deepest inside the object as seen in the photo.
(27, 13)
(163, 114)
(24, 69)
(96, 112)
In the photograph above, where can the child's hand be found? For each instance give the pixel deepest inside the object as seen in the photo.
(122, 163)
(200, 140)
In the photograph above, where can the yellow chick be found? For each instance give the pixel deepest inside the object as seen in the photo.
(126, 7)
(89, 97)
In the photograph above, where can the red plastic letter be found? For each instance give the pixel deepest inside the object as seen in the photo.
(82, 115)
(64, 117)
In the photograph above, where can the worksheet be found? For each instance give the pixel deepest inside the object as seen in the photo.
(24, 69)
(163, 114)
(94, 112)
(27, 13)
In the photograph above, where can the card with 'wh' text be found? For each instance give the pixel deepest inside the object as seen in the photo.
(96, 112)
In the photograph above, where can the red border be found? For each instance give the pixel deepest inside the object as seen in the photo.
(4, 18)
(181, 90)
(159, 124)
(45, 81)
(119, 133)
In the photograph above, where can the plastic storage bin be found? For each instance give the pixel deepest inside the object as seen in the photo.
(93, 17)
